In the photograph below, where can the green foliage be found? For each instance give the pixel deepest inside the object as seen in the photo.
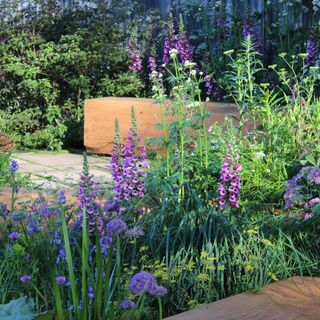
(4, 162)
(19, 309)
(51, 62)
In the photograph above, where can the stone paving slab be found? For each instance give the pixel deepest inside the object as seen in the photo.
(60, 170)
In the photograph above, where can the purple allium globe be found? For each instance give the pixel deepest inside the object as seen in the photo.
(158, 291)
(60, 280)
(127, 304)
(25, 278)
(142, 282)
(135, 232)
(116, 226)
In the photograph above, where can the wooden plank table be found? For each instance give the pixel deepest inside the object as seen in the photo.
(297, 298)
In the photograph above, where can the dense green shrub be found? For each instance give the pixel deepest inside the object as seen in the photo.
(50, 64)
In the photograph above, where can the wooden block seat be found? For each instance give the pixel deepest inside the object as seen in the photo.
(100, 115)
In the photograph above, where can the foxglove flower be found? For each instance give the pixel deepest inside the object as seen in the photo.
(111, 206)
(87, 196)
(129, 164)
(247, 29)
(223, 29)
(134, 56)
(229, 187)
(312, 50)
(152, 65)
(312, 202)
(167, 48)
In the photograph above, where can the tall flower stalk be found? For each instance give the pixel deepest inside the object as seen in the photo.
(159, 96)
(230, 184)
(129, 164)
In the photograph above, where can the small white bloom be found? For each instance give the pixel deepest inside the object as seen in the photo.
(259, 154)
(173, 53)
(189, 65)
(201, 73)
(194, 72)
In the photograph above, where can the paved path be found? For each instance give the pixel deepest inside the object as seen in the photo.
(56, 170)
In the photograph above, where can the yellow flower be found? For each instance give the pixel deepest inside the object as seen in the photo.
(273, 276)
(190, 266)
(212, 259)
(221, 268)
(203, 277)
(252, 231)
(143, 249)
(267, 242)
(203, 255)
(249, 266)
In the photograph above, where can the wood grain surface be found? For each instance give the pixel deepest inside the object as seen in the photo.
(100, 115)
(297, 298)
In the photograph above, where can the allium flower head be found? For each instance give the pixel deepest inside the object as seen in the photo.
(135, 232)
(158, 291)
(142, 282)
(116, 226)
(127, 304)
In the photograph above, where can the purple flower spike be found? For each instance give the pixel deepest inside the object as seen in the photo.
(14, 236)
(312, 50)
(229, 187)
(13, 166)
(25, 278)
(142, 282)
(60, 280)
(127, 304)
(129, 165)
(134, 56)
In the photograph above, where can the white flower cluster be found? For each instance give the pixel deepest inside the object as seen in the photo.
(316, 5)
